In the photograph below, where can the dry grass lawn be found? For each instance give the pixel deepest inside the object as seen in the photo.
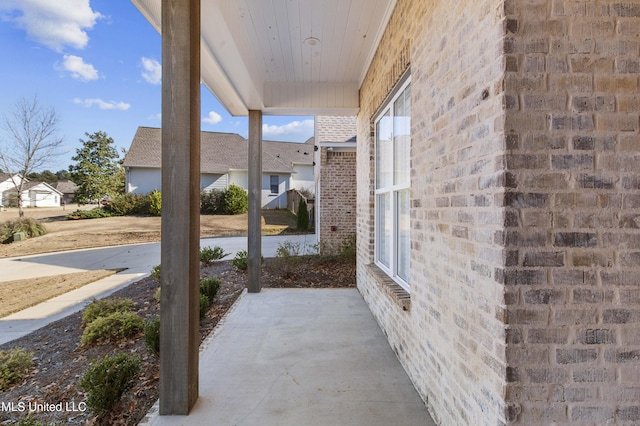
(21, 294)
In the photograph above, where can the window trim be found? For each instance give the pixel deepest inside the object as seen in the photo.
(393, 189)
(271, 185)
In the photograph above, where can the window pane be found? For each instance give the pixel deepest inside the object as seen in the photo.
(274, 184)
(403, 236)
(384, 228)
(384, 146)
(402, 137)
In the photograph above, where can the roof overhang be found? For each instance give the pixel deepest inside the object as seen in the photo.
(284, 57)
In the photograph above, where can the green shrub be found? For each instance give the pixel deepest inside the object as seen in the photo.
(29, 421)
(107, 379)
(155, 203)
(303, 216)
(288, 257)
(152, 335)
(157, 294)
(125, 204)
(212, 202)
(30, 227)
(155, 273)
(209, 255)
(14, 366)
(241, 260)
(89, 214)
(105, 307)
(209, 287)
(204, 305)
(112, 328)
(236, 200)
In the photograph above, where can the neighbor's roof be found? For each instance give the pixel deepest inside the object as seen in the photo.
(335, 129)
(220, 152)
(65, 186)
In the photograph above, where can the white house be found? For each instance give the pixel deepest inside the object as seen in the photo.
(286, 165)
(34, 194)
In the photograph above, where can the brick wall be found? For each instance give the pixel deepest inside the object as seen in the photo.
(449, 332)
(336, 174)
(572, 211)
(337, 198)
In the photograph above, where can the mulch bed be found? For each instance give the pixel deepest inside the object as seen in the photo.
(60, 362)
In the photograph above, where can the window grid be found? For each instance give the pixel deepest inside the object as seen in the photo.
(392, 193)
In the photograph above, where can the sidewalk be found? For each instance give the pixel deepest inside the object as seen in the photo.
(300, 357)
(137, 258)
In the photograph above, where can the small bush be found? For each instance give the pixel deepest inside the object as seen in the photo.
(204, 306)
(303, 216)
(152, 335)
(14, 366)
(89, 214)
(31, 228)
(29, 421)
(236, 200)
(155, 273)
(105, 307)
(209, 255)
(288, 257)
(155, 203)
(348, 249)
(126, 204)
(212, 202)
(241, 260)
(112, 328)
(107, 379)
(209, 287)
(158, 294)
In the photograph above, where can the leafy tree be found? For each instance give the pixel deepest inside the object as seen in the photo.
(31, 142)
(97, 170)
(63, 174)
(46, 176)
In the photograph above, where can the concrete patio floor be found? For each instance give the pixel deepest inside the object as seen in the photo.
(300, 357)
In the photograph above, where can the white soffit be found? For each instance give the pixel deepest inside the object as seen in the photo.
(286, 57)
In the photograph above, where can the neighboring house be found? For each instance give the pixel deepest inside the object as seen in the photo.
(34, 194)
(67, 188)
(335, 171)
(498, 186)
(285, 165)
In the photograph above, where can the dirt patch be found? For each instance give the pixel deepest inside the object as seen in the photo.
(64, 234)
(20, 294)
(60, 362)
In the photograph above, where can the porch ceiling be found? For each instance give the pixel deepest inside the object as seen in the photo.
(286, 57)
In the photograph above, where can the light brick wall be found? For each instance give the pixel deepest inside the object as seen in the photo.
(336, 174)
(337, 198)
(573, 211)
(450, 338)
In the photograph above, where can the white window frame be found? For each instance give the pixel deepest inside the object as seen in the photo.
(393, 191)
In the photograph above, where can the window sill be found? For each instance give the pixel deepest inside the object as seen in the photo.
(400, 296)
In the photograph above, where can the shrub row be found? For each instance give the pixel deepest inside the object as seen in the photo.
(233, 200)
(129, 204)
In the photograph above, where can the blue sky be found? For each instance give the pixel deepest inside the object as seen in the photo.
(97, 63)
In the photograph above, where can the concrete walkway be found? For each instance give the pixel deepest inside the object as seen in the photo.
(137, 258)
(300, 357)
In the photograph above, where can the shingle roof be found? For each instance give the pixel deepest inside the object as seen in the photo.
(65, 186)
(220, 152)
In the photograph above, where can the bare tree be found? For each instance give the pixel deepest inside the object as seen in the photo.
(31, 142)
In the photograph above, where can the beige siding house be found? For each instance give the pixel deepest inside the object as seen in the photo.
(287, 165)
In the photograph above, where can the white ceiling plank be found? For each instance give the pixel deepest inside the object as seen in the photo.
(255, 57)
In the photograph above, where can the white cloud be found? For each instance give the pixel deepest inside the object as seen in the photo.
(152, 70)
(294, 131)
(89, 102)
(55, 24)
(212, 118)
(78, 68)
